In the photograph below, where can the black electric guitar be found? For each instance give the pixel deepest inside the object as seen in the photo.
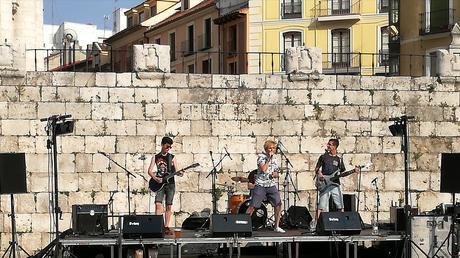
(322, 185)
(155, 186)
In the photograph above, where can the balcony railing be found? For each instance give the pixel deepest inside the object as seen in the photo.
(204, 42)
(436, 21)
(291, 10)
(352, 8)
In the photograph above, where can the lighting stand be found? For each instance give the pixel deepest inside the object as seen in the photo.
(400, 128)
(14, 245)
(213, 174)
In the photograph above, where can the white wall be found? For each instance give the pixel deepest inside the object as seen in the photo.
(119, 20)
(86, 34)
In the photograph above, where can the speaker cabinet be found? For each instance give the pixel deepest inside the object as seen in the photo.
(298, 217)
(89, 219)
(12, 173)
(341, 223)
(193, 223)
(349, 203)
(143, 226)
(227, 225)
(449, 173)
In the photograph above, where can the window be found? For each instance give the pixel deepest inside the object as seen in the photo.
(207, 34)
(433, 70)
(141, 16)
(206, 66)
(341, 48)
(157, 41)
(232, 36)
(153, 11)
(172, 46)
(190, 38)
(340, 7)
(232, 68)
(383, 52)
(383, 6)
(292, 39)
(130, 22)
(291, 9)
(186, 4)
(191, 68)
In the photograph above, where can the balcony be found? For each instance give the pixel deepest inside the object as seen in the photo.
(341, 63)
(204, 41)
(291, 10)
(343, 13)
(187, 47)
(436, 21)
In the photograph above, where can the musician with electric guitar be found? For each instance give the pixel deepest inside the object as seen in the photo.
(329, 169)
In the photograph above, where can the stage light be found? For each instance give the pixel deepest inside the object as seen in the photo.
(65, 127)
(397, 129)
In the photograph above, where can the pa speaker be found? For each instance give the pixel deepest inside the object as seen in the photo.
(89, 219)
(341, 223)
(193, 223)
(145, 226)
(298, 217)
(450, 175)
(12, 173)
(227, 225)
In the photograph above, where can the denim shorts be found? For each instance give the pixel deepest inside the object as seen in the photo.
(168, 190)
(337, 196)
(260, 194)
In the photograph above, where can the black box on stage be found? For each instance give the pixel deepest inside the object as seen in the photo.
(89, 219)
(227, 225)
(397, 217)
(298, 217)
(349, 203)
(145, 226)
(342, 223)
(193, 223)
(12, 173)
(449, 173)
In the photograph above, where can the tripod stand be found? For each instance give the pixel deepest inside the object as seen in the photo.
(14, 246)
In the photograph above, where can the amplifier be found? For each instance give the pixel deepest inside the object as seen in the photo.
(89, 219)
(428, 234)
(342, 223)
(227, 225)
(143, 226)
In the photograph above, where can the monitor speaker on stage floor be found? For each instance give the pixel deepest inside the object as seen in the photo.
(145, 226)
(227, 225)
(336, 222)
(89, 219)
(298, 217)
(349, 203)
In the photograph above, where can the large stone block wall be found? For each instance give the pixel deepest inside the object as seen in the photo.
(126, 115)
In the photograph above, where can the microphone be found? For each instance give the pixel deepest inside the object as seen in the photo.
(228, 154)
(326, 151)
(374, 181)
(103, 153)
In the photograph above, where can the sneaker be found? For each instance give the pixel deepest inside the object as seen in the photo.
(279, 230)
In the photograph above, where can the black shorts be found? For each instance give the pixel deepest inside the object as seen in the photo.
(168, 190)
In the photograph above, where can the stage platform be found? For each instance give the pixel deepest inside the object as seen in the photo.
(290, 238)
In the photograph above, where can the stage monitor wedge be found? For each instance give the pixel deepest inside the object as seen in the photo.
(12, 173)
(450, 173)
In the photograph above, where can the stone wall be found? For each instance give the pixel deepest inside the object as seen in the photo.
(126, 117)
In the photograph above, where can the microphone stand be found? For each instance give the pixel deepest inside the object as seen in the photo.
(110, 204)
(287, 179)
(359, 190)
(374, 182)
(213, 173)
(128, 174)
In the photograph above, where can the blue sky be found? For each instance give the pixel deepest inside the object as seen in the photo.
(83, 11)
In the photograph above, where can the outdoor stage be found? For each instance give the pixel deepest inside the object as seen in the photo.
(291, 239)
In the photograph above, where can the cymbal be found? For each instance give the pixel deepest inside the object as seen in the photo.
(240, 179)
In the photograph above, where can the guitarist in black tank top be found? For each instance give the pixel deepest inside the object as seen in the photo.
(163, 164)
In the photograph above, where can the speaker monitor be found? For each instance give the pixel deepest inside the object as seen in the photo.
(143, 226)
(193, 223)
(89, 219)
(12, 173)
(449, 173)
(349, 203)
(227, 225)
(341, 223)
(298, 217)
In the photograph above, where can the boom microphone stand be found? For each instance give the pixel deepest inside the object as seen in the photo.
(287, 178)
(213, 173)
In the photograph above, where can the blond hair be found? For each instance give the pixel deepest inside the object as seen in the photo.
(269, 143)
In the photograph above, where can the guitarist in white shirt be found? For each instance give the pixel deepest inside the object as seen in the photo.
(161, 165)
(327, 164)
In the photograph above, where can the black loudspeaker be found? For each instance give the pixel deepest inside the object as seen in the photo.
(193, 223)
(227, 225)
(450, 176)
(341, 223)
(89, 219)
(298, 217)
(349, 203)
(12, 173)
(143, 226)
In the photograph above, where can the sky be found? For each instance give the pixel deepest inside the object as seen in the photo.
(83, 11)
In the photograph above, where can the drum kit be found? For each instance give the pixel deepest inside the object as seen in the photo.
(238, 203)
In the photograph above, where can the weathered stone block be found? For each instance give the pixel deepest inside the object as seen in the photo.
(225, 81)
(150, 127)
(253, 128)
(100, 163)
(146, 95)
(90, 127)
(134, 111)
(200, 127)
(132, 144)
(303, 60)
(30, 94)
(252, 81)
(94, 94)
(241, 96)
(331, 97)
(93, 144)
(167, 95)
(228, 112)
(177, 127)
(123, 95)
(89, 182)
(85, 79)
(124, 127)
(196, 144)
(177, 80)
(67, 94)
(49, 109)
(38, 78)
(273, 96)
(287, 127)
(68, 182)
(22, 110)
(78, 110)
(151, 57)
(63, 79)
(83, 162)
(66, 163)
(237, 144)
(194, 201)
(226, 128)
(106, 111)
(105, 79)
(298, 97)
(72, 144)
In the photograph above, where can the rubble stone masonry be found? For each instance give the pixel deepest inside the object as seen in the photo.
(126, 115)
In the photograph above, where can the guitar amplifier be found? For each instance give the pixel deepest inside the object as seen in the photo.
(143, 226)
(89, 219)
(227, 225)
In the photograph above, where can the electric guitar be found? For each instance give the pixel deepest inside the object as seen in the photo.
(155, 186)
(322, 185)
